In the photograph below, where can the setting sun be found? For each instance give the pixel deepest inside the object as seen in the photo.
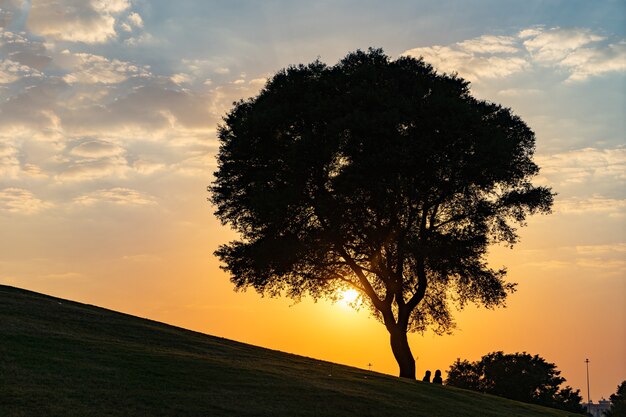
(348, 298)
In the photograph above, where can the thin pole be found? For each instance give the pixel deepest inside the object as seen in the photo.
(588, 396)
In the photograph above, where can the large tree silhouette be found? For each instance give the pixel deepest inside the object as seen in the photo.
(379, 175)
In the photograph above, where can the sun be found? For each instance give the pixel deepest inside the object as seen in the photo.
(348, 298)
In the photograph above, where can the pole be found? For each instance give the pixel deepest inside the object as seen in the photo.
(588, 396)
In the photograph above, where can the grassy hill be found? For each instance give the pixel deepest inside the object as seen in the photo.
(62, 358)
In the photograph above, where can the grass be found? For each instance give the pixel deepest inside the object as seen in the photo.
(62, 358)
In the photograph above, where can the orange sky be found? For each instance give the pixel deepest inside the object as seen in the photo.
(564, 312)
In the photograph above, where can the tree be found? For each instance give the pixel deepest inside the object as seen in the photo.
(518, 376)
(618, 402)
(378, 175)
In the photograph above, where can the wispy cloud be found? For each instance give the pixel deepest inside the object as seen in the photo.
(90, 169)
(556, 44)
(116, 196)
(615, 249)
(21, 201)
(90, 69)
(462, 58)
(9, 163)
(96, 149)
(580, 52)
(11, 71)
(613, 207)
(62, 276)
(584, 165)
(142, 257)
(605, 260)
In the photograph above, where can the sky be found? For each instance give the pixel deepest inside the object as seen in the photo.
(108, 117)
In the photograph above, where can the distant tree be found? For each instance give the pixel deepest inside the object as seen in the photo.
(518, 376)
(464, 374)
(378, 175)
(618, 402)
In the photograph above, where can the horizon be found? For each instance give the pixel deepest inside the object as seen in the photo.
(109, 113)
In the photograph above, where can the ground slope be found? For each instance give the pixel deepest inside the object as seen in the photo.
(62, 358)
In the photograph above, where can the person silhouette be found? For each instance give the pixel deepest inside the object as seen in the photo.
(437, 378)
(426, 377)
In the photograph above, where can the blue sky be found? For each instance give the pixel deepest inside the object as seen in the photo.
(108, 113)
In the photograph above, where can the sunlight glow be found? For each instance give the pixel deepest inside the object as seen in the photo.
(349, 298)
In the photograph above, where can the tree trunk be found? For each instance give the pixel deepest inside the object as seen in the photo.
(402, 352)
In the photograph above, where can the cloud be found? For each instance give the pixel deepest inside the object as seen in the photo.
(17, 47)
(549, 265)
(110, 6)
(7, 12)
(584, 165)
(181, 78)
(34, 107)
(6, 150)
(143, 39)
(96, 149)
(116, 196)
(11, 71)
(573, 49)
(88, 21)
(595, 204)
(616, 249)
(608, 267)
(12, 168)
(83, 106)
(91, 169)
(34, 171)
(468, 63)
(258, 82)
(9, 163)
(21, 201)
(580, 52)
(91, 69)
(151, 106)
(489, 44)
(198, 165)
(520, 92)
(588, 62)
(62, 276)
(135, 20)
(147, 167)
(142, 257)
(603, 259)
(555, 44)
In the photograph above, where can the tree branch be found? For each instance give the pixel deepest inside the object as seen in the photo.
(367, 286)
(420, 292)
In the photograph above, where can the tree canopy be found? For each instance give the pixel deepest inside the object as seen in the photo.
(618, 402)
(379, 175)
(518, 376)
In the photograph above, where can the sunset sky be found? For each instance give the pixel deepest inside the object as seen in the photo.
(108, 115)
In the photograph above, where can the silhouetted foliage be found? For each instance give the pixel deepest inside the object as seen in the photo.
(518, 376)
(378, 175)
(618, 402)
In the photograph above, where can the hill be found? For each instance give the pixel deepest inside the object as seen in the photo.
(63, 358)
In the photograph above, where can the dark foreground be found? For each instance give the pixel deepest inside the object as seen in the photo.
(61, 358)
